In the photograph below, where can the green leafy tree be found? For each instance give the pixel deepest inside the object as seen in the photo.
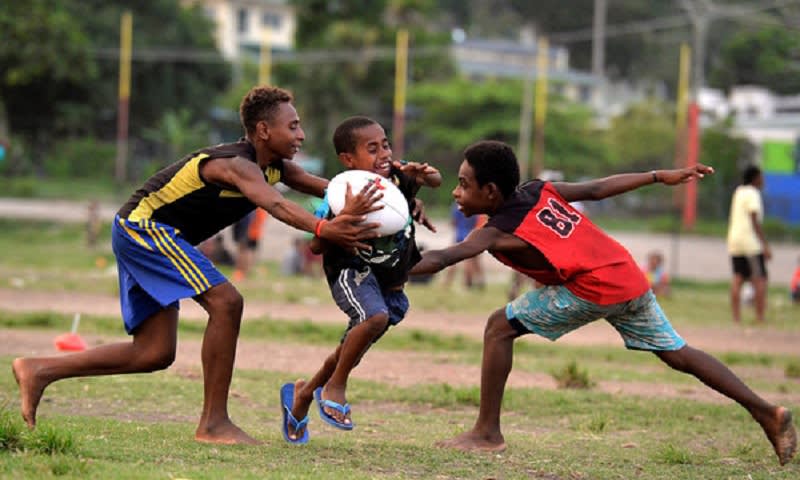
(454, 114)
(727, 153)
(168, 81)
(179, 133)
(643, 137)
(766, 56)
(358, 78)
(59, 66)
(44, 64)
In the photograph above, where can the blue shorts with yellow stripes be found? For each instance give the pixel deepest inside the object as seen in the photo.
(157, 267)
(553, 311)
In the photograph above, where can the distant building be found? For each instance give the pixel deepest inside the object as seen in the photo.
(478, 58)
(484, 58)
(243, 24)
(772, 124)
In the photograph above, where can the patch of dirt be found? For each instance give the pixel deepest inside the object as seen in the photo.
(713, 340)
(391, 367)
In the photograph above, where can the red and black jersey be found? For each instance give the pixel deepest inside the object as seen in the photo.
(588, 262)
(180, 197)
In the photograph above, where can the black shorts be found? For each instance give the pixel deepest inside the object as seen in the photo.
(241, 232)
(747, 267)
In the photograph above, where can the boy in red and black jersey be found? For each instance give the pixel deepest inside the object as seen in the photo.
(586, 275)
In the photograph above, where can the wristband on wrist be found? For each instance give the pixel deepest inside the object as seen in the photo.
(318, 228)
(655, 177)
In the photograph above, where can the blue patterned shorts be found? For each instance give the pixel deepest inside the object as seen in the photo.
(553, 311)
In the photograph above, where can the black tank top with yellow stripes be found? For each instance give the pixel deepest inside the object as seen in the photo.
(179, 197)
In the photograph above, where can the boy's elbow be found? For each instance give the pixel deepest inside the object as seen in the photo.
(276, 208)
(596, 192)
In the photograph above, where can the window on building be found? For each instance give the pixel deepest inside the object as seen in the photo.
(271, 20)
(241, 20)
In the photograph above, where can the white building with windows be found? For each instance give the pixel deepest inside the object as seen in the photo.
(244, 25)
(759, 114)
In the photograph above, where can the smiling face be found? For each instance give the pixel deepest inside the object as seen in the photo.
(281, 134)
(473, 199)
(372, 152)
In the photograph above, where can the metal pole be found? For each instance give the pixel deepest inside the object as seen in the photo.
(265, 58)
(543, 58)
(400, 84)
(123, 103)
(526, 112)
(599, 49)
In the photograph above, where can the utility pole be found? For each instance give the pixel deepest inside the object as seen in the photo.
(526, 113)
(701, 13)
(599, 50)
(400, 87)
(124, 95)
(540, 108)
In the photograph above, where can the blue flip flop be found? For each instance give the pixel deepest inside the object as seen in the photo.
(345, 409)
(287, 400)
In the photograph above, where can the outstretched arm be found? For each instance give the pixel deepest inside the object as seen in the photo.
(625, 182)
(297, 178)
(346, 230)
(436, 260)
(422, 173)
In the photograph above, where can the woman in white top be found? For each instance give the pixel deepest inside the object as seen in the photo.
(747, 245)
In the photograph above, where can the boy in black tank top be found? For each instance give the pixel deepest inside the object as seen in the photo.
(154, 238)
(367, 286)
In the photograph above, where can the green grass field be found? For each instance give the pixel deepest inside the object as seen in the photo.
(141, 426)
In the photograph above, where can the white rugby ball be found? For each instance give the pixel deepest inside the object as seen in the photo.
(394, 215)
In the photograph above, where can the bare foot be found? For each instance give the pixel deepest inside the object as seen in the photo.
(300, 405)
(225, 433)
(471, 441)
(782, 435)
(31, 387)
(336, 395)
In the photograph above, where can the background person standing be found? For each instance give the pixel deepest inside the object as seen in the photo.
(747, 244)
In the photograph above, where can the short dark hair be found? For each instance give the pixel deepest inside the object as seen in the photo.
(260, 103)
(344, 141)
(751, 173)
(494, 162)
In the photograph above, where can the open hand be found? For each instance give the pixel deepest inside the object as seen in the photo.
(362, 203)
(684, 175)
(415, 169)
(349, 230)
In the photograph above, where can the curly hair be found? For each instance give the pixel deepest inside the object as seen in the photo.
(494, 162)
(343, 138)
(260, 103)
(751, 173)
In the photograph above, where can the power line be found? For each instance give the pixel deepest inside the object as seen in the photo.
(305, 57)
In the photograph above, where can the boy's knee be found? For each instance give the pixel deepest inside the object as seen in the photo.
(228, 301)
(157, 359)
(497, 327)
(377, 323)
(674, 358)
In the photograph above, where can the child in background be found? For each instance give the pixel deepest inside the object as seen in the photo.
(656, 274)
(367, 287)
(247, 233)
